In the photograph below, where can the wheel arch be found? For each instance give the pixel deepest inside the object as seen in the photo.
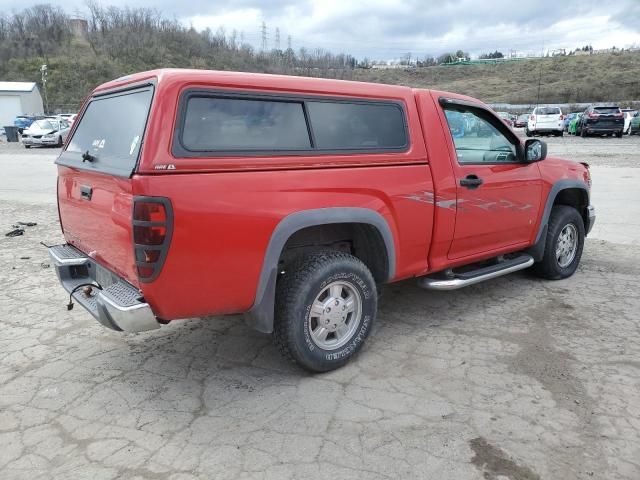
(260, 316)
(574, 193)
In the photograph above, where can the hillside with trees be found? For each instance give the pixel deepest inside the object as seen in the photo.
(122, 41)
(116, 42)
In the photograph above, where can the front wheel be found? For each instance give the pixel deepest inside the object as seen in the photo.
(563, 245)
(326, 304)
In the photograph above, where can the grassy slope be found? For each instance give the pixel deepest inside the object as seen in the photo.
(605, 77)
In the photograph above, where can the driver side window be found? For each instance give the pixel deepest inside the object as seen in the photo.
(478, 141)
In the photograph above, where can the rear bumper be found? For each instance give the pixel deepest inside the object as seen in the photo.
(118, 305)
(603, 126)
(557, 128)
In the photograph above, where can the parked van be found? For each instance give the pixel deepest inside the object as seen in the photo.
(189, 193)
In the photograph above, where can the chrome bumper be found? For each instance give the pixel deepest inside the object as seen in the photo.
(118, 305)
(591, 211)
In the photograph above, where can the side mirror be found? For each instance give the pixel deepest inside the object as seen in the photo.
(535, 150)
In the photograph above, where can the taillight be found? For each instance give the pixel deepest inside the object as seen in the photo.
(592, 115)
(532, 118)
(152, 228)
(561, 117)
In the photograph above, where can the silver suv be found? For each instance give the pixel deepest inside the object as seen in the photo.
(545, 120)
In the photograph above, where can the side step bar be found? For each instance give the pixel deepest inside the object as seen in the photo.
(453, 281)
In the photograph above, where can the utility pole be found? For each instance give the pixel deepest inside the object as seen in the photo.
(277, 38)
(263, 34)
(289, 42)
(43, 74)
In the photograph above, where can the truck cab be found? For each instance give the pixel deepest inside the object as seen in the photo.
(190, 193)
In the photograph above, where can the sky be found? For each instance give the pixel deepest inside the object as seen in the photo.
(389, 29)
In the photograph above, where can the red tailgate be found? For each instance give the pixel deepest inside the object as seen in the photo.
(95, 212)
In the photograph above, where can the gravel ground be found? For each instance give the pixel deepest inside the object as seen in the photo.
(516, 378)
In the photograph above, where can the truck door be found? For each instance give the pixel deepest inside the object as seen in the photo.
(498, 194)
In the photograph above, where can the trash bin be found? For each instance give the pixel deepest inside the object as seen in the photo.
(11, 133)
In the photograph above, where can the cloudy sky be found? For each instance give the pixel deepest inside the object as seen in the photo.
(388, 29)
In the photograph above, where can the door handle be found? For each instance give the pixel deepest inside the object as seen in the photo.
(471, 181)
(85, 192)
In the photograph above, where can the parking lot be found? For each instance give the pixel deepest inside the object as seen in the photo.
(514, 378)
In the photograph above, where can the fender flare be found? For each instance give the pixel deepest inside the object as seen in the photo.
(537, 250)
(261, 314)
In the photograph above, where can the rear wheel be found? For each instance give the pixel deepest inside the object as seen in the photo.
(619, 134)
(583, 133)
(563, 245)
(59, 144)
(527, 132)
(325, 308)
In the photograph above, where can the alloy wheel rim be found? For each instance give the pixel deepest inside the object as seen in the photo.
(567, 245)
(335, 315)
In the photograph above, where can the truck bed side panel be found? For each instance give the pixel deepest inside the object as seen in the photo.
(224, 221)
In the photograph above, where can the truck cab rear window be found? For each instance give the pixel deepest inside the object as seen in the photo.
(110, 131)
(233, 124)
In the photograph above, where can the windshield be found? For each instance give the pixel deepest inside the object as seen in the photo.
(45, 124)
(110, 131)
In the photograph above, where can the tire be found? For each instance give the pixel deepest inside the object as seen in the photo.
(583, 133)
(553, 265)
(298, 332)
(619, 134)
(560, 133)
(527, 132)
(27, 146)
(59, 144)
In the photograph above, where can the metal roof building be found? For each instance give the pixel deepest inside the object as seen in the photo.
(17, 98)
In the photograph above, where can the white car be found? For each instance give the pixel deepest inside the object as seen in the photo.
(628, 115)
(46, 131)
(69, 117)
(545, 120)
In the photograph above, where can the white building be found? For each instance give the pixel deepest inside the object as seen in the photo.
(18, 98)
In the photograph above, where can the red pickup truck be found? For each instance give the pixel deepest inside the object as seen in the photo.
(185, 193)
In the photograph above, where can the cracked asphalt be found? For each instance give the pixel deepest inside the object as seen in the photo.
(516, 378)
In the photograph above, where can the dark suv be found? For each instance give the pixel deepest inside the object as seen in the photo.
(601, 120)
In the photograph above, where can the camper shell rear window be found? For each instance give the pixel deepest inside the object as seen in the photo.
(110, 132)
